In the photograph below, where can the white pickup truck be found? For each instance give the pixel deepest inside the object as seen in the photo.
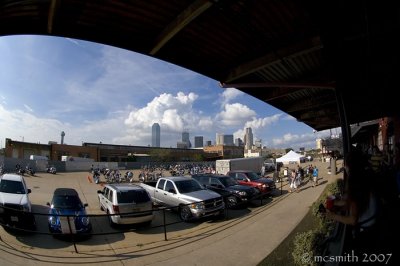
(185, 193)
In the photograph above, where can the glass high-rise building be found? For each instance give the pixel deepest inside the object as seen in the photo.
(185, 138)
(155, 135)
(198, 141)
(248, 138)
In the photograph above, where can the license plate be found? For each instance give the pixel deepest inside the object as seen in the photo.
(14, 219)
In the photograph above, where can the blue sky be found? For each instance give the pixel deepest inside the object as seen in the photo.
(98, 93)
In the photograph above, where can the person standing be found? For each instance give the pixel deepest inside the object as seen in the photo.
(293, 181)
(315, 176)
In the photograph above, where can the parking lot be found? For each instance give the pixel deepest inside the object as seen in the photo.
(143, 245)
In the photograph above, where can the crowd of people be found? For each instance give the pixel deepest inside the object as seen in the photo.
(297, 177)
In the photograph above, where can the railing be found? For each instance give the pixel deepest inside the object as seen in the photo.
(6, 213)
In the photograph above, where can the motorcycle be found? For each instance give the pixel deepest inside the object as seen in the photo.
(96, 176)
(129, 176)
(19, 170)
(51, 170)
(141, 177)
(29, 170)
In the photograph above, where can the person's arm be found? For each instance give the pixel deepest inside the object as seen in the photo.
(350, 219)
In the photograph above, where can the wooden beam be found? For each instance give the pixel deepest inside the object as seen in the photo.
(51, 17)
(184, 18)
(294, 85)
(273, 57)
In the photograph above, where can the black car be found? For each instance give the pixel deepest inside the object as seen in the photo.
(233, 193)
(67, 213)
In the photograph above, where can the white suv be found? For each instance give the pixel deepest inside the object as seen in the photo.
(15, 206)
(126, 204)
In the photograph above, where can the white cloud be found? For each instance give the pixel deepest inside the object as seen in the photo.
(289, 117)
(73, 41)
(18, 123)
(300, 140)
(286, 139)
(235, 114)
(27, 107)
(228, 95)
(262, 122)
(172, 112)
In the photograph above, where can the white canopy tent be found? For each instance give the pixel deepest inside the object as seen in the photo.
(291, 157)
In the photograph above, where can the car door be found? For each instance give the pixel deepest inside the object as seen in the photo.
(109, 200)
(170, 195)
(217, 185)
(104, 202)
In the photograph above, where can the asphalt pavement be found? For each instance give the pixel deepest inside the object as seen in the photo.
(245, 237)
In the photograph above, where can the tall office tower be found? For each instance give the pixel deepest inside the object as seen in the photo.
(258, 143)
(248, 138)
(185, 138)
(228, 140)
(219, 139)
(198, 141)
(208, 143)
(155, 135)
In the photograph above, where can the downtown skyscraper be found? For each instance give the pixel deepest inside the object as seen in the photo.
(248, 139)
(155, 135)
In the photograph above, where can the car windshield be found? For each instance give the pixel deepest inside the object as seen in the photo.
(67, 202)
(228, 181)
(187, 186)
(10, 186)
(252, 176)
(132, 196)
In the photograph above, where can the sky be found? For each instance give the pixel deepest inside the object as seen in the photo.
(98, 93)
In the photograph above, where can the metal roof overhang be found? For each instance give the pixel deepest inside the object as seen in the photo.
(291, 54)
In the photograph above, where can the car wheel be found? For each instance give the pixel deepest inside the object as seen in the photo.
(231, 202)
(101, 206)
(185, 213)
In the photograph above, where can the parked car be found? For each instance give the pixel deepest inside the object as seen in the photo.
(126, 204)
(249, 178)
(15, 206)
(233, 193)
(67, 213)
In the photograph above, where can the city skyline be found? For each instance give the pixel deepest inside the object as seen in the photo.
(98, 93)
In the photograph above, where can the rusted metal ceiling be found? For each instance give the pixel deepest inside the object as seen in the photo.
(290, 54)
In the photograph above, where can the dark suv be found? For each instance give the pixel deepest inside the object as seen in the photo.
(233, 193)
(252, 179)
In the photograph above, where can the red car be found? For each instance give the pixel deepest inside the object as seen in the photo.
(249, 178)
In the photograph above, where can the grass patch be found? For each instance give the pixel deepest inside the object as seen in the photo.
(307, 237)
